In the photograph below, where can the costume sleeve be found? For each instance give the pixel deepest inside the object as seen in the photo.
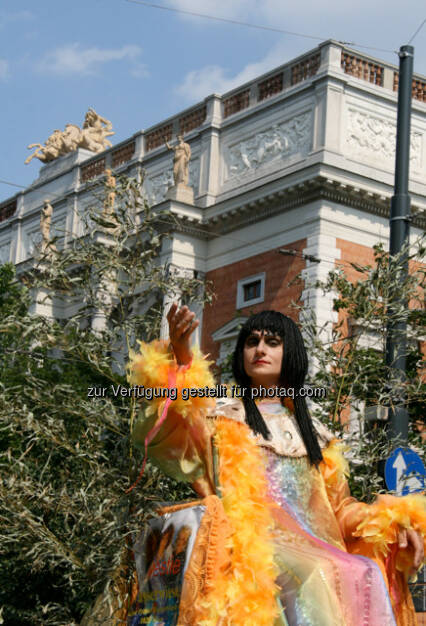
(348, 511)
(173, 426)
(377, 524)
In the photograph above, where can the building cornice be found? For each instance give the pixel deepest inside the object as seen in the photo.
(278, 202)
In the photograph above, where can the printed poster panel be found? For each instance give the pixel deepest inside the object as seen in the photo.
(162, 553)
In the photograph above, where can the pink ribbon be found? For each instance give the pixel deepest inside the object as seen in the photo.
(171, 382)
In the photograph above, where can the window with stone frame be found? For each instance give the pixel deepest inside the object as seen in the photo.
(251, 290)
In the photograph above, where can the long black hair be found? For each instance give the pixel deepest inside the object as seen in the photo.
(293, 372)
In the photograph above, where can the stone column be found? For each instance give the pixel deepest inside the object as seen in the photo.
(168, 300)
(106, 289)
(321, 243)
(322, 246)
(167, 303)
(41, 302)
(210, 154)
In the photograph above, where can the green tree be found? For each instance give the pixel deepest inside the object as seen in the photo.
(349, 356)
(66, 459)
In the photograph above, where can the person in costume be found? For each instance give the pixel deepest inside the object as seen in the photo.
(280, 540)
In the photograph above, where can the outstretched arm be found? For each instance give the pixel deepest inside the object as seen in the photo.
(108, 124)
(180, 440)
(388, 521)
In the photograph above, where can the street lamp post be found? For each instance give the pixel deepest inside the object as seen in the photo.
(396, 343)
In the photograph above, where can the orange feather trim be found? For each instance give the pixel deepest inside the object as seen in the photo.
(246, 594)
(334, 467)
(387, 516)
(151, 366)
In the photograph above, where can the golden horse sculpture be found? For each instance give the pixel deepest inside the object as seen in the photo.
(93, 137)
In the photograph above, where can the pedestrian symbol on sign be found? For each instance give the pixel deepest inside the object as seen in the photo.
(405, 472)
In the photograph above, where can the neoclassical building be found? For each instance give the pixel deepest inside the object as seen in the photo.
(291, 171)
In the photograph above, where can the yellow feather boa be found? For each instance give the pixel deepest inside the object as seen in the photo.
(151, 367)
(245, 595)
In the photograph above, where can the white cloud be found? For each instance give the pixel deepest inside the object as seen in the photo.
(197, 84)
(4, 69)
(74, 59)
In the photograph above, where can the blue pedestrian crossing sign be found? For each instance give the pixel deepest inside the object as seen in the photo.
(405, 472)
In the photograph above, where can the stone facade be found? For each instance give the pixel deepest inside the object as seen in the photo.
(301, 158)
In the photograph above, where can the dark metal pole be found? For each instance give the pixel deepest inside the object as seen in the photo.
(396, 345)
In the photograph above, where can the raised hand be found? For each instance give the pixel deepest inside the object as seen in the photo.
(182, 323)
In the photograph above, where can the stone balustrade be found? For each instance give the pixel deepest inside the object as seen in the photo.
(193, 119)
(306, 68)
(158, 137)
(236, 103)
(418, 90)
(360, 67)
(270, 86)
(123, 154)
(92, 169)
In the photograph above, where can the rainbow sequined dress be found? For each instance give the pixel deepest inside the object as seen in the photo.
(320, 583)
(275, 541)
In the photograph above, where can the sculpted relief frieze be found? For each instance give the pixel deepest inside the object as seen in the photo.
(156, 186)
(373, 138)
(30, 241)
(4, 252)
(271, 145)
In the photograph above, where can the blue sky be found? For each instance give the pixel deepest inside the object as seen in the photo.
(137, 65)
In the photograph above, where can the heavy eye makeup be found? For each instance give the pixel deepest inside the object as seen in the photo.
(271, 340)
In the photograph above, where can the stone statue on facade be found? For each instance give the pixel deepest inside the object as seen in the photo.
(181, 190)
(93, 137)
(108, 212)
(47, 246)
(95, 131)
(71, 138)
(51, 150)
(180, 161)
(110, 184)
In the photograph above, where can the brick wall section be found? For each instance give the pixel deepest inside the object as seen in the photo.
(352, 253)
(279, 271)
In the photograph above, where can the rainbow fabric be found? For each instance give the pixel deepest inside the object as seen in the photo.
(299, 543)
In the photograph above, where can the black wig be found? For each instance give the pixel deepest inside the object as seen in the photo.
(293, 372)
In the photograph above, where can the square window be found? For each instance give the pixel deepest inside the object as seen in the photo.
(251, 290)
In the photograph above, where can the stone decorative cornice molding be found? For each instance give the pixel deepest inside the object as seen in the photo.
(320, 187)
